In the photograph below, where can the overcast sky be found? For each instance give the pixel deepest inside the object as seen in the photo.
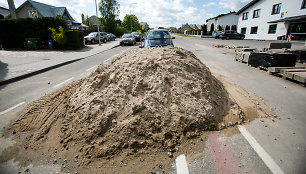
(156, 13)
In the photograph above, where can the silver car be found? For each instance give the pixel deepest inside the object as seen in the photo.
(93, 37)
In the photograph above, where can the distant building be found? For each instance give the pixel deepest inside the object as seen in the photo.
(32, 9)
(273, 19)
(4, 12)
(229, 19)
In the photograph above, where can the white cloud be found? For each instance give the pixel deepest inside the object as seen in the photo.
(3, 3)
(210, 4)
(164, 13)
(233, 4)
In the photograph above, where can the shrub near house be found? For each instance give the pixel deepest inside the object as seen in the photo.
(14, 31)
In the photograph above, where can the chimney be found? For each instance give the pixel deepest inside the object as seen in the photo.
(12, 8)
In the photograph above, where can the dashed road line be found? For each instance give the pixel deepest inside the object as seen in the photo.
(181, 165)
(11, 108)
(63, 82)
(260, 151)
(89, 69)
(107, 60)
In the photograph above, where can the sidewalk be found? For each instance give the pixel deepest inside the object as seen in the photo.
(15, 65)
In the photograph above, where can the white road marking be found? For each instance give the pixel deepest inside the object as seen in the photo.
(260, 151)
(89, 69)
(107, 60)
(63, 82)
(9, 109)
(181, 165)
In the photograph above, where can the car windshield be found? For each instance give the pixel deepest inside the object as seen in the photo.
(127, 36)
(154, 35)
(92, 34)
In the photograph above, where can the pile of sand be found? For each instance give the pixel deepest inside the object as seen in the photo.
(146, 98)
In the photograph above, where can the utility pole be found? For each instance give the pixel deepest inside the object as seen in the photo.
(98, 23)
(131, 15)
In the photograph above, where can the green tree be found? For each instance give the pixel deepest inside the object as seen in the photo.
(109, 13)
(234, 27)
(131, 19)
(227, 27)
(89, 23)
(204, 29)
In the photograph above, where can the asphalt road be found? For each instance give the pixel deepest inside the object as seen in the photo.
(31, 88)
(283, 140)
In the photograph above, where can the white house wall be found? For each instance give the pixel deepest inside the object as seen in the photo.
(211, 21)
(229, 20)
(289, 8)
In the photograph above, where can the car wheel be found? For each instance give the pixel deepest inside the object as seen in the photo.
(104, 40)
(242, 37)
(227, 37)
(93, 41)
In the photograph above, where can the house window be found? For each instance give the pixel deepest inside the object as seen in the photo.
(254, 30)
(304, 4)
(272, 29)
(243, 30)
(33, 14)
(256, 13)
(276, 8)
(245, 16)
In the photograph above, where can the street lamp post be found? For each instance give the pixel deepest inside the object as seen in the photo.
(131, 16)
(98, 23)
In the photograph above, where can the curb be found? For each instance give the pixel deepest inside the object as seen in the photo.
(24, 76)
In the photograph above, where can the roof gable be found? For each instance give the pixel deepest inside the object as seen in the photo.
(46, 10)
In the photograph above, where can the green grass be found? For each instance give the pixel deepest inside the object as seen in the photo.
(184, 35)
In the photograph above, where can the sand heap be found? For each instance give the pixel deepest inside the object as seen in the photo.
(146, 98)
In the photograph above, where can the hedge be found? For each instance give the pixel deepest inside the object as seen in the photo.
(14, 31)
(73, 39)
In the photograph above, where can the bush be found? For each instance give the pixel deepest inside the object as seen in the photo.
(14, 31)
(73, 39)
(58, 37)
(119, 31)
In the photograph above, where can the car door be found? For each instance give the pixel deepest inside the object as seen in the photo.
(235, 35)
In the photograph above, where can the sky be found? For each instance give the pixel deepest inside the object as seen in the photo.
(157, 13)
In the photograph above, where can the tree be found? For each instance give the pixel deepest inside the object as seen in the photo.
(212, 28)
(234, 27)
(227, 27)
(89, 23)
(220, 28)
(109, 13)
(131, 20)
(204, 29)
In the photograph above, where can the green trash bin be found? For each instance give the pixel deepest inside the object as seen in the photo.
(33, 43)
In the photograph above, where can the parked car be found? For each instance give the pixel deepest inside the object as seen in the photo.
(127, 39)
(231, 35)
(158, 38)
(93, 37)
(137, 36)
(111, 36)
(216, 34)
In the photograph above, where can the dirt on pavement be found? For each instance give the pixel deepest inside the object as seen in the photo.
(145, 104)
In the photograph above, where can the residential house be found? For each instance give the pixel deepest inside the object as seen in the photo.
(33, 9)
(184, 28)
(273, 19)
(229, 19)
(4, 12)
